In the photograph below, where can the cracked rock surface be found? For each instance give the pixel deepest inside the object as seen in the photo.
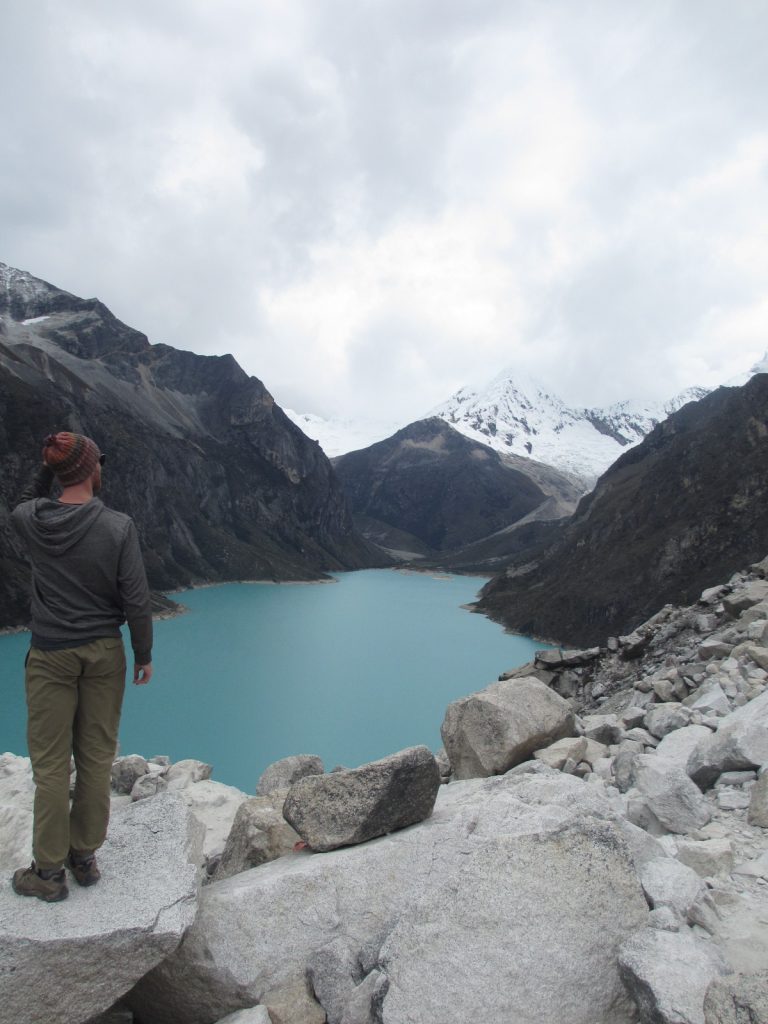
(65, 962)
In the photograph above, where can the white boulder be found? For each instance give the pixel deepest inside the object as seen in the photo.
(740, 742)
(491, 731)
(668, 973)
(67, 962)
(542, 860)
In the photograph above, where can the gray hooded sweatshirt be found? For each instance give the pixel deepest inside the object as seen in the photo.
(87, 575)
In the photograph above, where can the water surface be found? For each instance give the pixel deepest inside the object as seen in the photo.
(351, 670)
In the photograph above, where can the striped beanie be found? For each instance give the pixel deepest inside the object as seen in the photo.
(72, 457)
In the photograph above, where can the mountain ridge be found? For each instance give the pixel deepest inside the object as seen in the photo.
(516, 414)
(670, 517)
(221, 484)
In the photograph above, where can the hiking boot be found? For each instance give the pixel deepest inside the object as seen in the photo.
(50, 886)
(83, 867)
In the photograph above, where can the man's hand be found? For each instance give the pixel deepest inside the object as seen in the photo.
(142, 674)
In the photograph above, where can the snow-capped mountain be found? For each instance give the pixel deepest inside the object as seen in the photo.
(520, 415)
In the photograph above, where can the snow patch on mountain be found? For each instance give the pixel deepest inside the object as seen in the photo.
(339, 436)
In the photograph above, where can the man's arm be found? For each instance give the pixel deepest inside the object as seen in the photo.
(39, 486)
(137, 605)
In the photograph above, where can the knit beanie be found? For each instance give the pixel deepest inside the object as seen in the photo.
(72, 457)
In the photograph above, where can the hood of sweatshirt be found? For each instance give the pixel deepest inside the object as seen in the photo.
(57, 527)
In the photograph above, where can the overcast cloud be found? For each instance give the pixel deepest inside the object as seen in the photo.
(373, 202)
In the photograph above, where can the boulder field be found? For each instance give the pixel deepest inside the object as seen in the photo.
(591, 846)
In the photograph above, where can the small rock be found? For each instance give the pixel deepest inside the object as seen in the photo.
(732, 799)
(186, 773)
(677, 746)
(737, 999)
(758, 804)
(758, 631)
(670, 795)
(148, 785)
(365, 1001)
(665, 718)
(642, 736)
(258, 835)
(736, 778)
(444, 764)
(741, 600)
(741, 742)
(707, 857)
(714, 647)
(333, 971)
(665, 919)
(664, 690)
(705, 623)
(623, 764)
(668, 883)
(283, 773)
(632, 716)
(602, 728)
(126, 770)
(759, 655)
(557, 754)
(668, 975)
(633, 645)
(709, 700)
(755, 868)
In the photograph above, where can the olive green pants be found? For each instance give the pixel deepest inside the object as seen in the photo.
(74, 698)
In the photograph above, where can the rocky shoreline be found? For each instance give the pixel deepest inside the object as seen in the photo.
(590, 846)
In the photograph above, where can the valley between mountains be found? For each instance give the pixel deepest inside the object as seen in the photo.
(590, 844)
(223, 484)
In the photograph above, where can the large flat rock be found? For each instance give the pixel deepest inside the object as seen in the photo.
(539, 860)
(61, 963)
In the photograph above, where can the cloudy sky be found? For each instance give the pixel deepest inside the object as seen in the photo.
(373, 202)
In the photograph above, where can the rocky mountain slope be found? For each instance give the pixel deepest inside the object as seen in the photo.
(221, 483)
(670, 517)
(431, 483)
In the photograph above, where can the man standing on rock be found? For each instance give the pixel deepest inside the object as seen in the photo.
(87, 579)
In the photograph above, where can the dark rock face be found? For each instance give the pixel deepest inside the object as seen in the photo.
(219, 481)
(430, 481)
(677, 514)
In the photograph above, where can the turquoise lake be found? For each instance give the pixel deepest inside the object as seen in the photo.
(351, 670)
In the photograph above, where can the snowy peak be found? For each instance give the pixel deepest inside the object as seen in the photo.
(521, 416)
(27, 298)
